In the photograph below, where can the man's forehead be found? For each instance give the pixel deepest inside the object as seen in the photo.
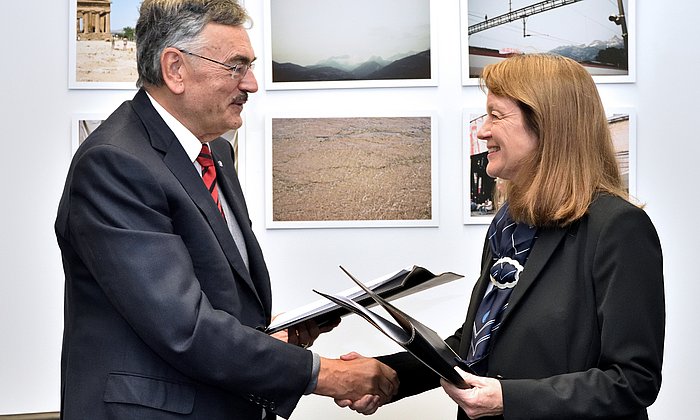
(231, 41)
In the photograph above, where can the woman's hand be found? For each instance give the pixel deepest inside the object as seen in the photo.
(484, 397)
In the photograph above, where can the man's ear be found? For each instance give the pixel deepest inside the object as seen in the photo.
(172, 65)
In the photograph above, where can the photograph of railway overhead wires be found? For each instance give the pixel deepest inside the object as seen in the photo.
(599, 34)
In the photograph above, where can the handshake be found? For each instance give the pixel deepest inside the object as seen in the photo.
(358, 382)
(361, 383)
(364, 384)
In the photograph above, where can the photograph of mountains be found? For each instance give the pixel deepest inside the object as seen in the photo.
(593, 32)
(342, 40)
(415, 66)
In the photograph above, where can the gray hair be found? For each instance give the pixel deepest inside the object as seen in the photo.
(178, 24)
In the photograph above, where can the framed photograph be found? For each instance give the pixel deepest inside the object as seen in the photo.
(482, 197)
(623, 129)
(237, 140)
(101, 46)
(351, 171)
(479, 190)
(84, 124)
(313, 44)
(599, 34)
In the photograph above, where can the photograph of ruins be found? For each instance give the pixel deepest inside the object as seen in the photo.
(102, 46)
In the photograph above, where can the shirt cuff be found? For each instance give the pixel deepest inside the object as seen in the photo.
(315, 368)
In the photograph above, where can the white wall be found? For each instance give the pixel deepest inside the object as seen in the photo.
(35, 117)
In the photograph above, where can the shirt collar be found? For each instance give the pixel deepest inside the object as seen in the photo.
(189, 142)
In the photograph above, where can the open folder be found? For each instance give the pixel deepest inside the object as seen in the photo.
(390, 286)
(419, 340)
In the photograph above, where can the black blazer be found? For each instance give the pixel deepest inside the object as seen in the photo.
(162, 318)
(583, 334)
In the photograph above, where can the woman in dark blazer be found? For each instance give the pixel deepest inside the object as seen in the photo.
(567, 318)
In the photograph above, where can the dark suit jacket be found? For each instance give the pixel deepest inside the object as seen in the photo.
(583, 334)
(160, 311)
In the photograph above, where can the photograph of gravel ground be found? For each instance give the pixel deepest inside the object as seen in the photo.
(359, 171)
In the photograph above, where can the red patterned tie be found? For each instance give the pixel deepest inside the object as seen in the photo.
(209, 175)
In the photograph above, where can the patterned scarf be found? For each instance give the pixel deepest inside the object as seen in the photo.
(510, 244)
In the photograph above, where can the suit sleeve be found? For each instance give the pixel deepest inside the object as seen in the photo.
(414, 376)
(628, 278)
(120, 225)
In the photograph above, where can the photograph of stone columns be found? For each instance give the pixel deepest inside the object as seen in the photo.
(105, 50)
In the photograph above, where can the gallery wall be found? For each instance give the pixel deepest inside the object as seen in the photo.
(36, 113)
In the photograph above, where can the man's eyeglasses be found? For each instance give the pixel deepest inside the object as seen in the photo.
(238, 71)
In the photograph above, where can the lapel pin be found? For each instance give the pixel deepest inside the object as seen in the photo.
(221, 164)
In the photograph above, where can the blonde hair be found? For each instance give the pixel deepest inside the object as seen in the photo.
(575, 157)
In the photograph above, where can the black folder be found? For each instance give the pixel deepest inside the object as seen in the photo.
(390, 286)
(419, 340)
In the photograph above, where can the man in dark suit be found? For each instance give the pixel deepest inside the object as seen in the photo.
(167, 292)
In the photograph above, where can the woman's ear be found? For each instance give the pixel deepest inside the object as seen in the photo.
(172, 65)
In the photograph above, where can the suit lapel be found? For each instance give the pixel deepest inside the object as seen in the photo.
(481, 285)
(546, 243)
(233, 194)
(477, 295)
(175, 158)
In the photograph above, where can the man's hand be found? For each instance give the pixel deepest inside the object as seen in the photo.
(304, 334)
(354, 378)
(367, 404)
(484, 397)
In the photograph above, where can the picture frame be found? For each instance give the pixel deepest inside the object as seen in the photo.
(593, 32)
(101, 46)
(479, 201)
(237, 138)
(623, 129)
(480, 194)
(351, 171)
(350, 44)
(83, 124)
